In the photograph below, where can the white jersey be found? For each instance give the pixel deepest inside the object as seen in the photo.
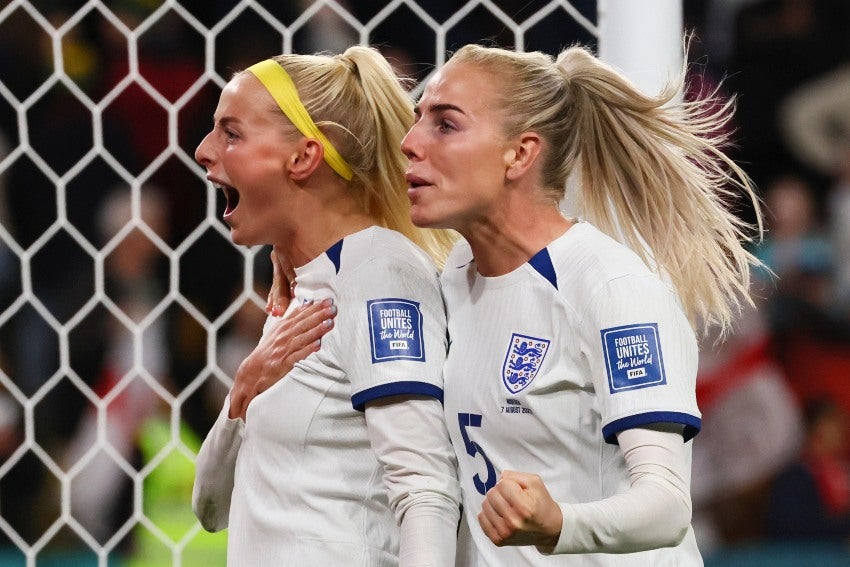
(308, 487)
(548, 363)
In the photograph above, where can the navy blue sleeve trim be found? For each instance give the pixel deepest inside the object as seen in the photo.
(359, 400)
(692, 424)
(542, 262)
(334, 253)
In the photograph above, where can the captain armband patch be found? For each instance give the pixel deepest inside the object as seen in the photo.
(395, 330)
(633, 357)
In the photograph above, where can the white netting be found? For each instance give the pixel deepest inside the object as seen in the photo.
(124, 307)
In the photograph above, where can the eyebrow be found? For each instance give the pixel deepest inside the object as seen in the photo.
(440, 107)
(226, 120)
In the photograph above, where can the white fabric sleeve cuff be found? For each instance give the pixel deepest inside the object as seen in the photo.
(410, 439)
(214, 471)
(654, 512)
(428, 536)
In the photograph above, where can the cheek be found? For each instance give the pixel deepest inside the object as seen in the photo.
(479, 179)
(254, 167)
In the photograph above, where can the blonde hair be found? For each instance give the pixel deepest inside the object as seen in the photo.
(651, 170)
(359, 103)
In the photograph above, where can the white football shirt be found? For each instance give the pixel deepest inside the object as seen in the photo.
(548, 363)
(308, 488)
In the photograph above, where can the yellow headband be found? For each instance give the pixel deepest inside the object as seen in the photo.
(279, 84)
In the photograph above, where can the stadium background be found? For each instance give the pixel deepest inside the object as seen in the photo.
(125, 309)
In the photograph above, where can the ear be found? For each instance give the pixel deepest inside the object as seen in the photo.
(522, 155)
(305, 158)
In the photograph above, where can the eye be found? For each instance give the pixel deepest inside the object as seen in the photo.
(445, 125)
(230, 135)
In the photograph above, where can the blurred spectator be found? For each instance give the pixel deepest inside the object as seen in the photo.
(718, 30)
(236, 341)
(241, 336)
(10, 415)
(815, 121)
(839, 208)
(10, 411)
(811, 498)
(779, 45)
(812, 341)
(131, 281)
(166, 501)
(743, 394)
(796, 249)
(9, 273)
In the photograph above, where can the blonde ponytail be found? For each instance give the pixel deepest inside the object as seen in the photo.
(359, 103)
(652, 171)
(384, 183)
(654, 176)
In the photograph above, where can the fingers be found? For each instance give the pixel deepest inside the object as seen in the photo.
(272, 303)
(280, 292)
(507, 501)
(489, 529)
(518, 510)
(524, 479)
(238, 404)
(311, 315)
(314, 333)
(310, 347)
(498, 518)
(307, 329)
(301, 333)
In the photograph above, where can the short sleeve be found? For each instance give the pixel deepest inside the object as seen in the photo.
(393, 328)
(643, 356)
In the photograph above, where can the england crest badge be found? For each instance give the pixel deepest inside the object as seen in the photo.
(522, 361)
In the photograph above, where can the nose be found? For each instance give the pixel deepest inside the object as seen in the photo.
(203, 153)
(410, 145)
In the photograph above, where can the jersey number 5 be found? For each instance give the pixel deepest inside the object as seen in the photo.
(472, 448)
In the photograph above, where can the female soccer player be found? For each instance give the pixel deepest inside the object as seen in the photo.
(319, 463)
(570, 381)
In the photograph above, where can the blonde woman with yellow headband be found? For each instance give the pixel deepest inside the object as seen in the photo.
(343, 457)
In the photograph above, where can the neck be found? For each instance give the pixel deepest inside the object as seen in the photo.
(503, 242)
(310, 241)
(322, 219)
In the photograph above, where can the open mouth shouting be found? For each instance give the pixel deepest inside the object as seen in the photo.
(231, 196)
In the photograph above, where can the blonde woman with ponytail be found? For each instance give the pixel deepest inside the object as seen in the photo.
(336, 455)
(570, 381)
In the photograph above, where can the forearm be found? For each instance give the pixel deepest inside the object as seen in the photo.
(429, 533)
(655, 511)
(410, 438)
(214, 471)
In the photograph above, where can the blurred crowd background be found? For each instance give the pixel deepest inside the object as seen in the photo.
(771, 465)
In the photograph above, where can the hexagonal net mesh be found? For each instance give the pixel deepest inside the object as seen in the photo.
(124, 307)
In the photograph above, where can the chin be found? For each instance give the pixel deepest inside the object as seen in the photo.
(421, 219)
(238, 238)
(429, 221)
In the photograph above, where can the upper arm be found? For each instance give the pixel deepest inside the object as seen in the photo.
(394, 321)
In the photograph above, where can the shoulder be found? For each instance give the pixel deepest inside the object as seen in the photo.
(607, 283)
(596, 252)
(384, 262)
(381, 247)
(585, 259)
